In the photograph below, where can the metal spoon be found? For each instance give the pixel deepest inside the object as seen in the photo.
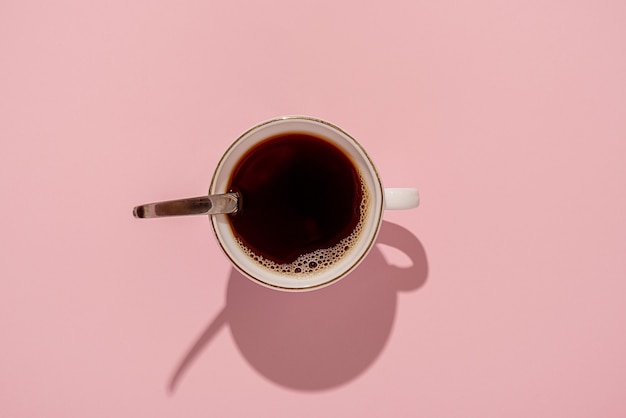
(202, 205)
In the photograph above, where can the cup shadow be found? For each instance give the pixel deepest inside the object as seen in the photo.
(318, 340)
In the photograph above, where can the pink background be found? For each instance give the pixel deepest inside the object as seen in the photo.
(503, 295)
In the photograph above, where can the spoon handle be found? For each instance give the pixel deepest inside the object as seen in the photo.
(202, 205)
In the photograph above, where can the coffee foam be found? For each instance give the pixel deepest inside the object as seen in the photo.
(310, 263)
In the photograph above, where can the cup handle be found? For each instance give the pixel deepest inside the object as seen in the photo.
(401, 198)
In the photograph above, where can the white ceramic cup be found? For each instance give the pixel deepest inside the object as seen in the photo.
(378, 200)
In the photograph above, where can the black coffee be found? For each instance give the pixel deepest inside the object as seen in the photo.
(303, 201)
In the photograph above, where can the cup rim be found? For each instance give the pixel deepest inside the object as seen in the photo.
(378, 207)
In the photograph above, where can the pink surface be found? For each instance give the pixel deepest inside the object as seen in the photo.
(501, 296)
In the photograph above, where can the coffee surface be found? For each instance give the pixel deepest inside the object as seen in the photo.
(302, 201)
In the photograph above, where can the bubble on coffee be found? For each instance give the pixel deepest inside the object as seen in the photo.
(313, 262)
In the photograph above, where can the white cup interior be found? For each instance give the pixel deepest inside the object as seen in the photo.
(371, 224)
